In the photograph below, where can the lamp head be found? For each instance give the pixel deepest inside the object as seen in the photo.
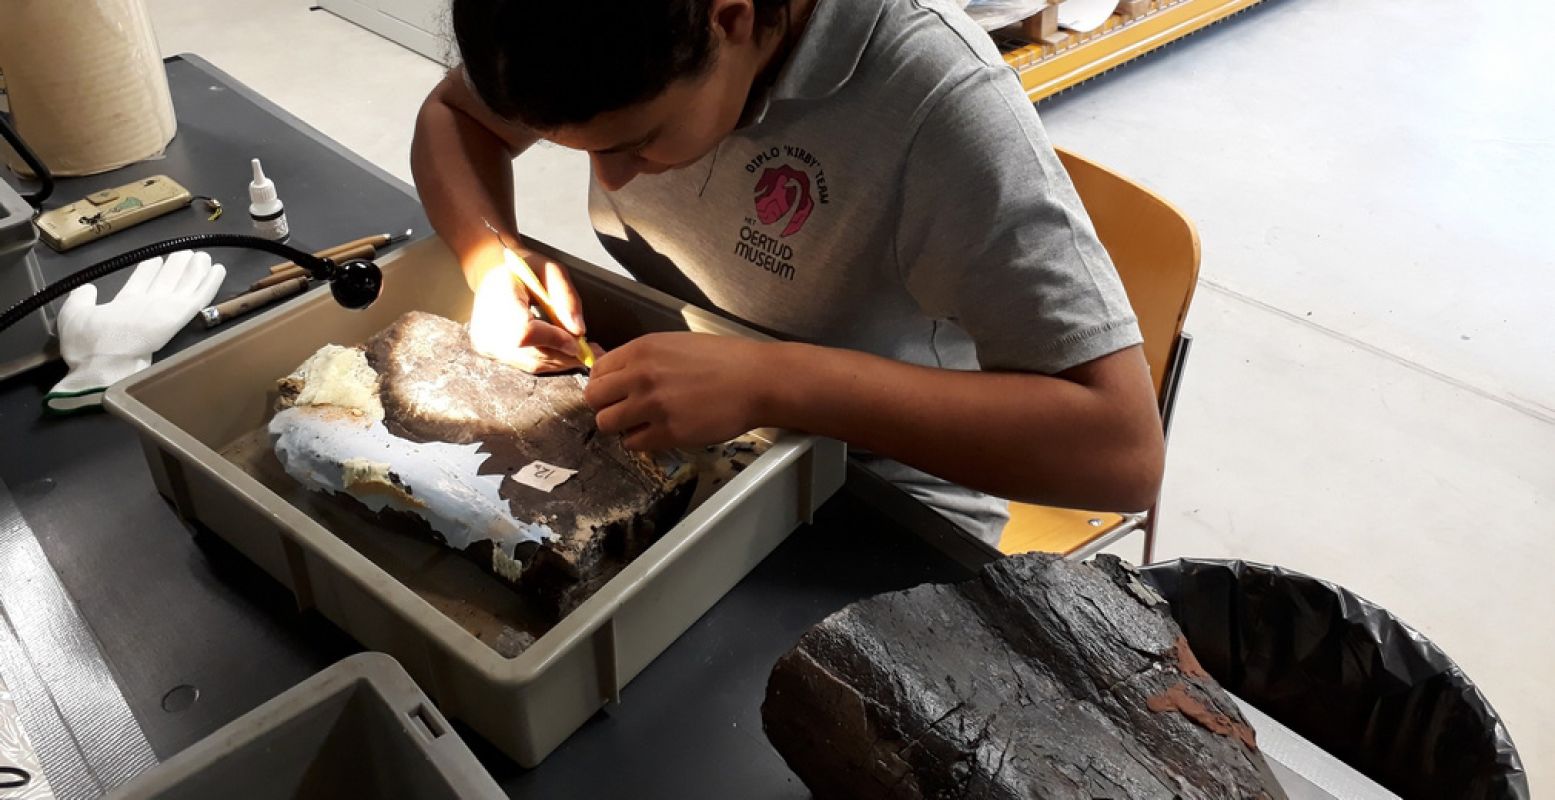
(356, 283)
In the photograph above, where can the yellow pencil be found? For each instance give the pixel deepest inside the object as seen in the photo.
(531, 281)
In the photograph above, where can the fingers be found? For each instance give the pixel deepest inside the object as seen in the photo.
(647, 437)
(501, 328)
(625, 416)
(206, 291)
(550, 360)
(140, 280)
(551, 287)
(564, 298)
(72, 311)
(194, 274)
(548, 336)
(545, 362)
(173, 268)
(617, 359)
(537, 361)
(605, 391)
(624, 400)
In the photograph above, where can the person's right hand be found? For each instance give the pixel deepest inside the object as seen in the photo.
(501, 326)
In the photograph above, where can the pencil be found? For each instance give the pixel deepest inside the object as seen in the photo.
(526, 275)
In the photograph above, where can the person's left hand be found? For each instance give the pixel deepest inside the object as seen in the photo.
(685, 390)
(502, 328)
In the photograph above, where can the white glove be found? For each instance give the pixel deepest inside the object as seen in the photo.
(105, 343)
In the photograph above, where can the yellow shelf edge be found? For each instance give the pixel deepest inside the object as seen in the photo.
(1131, 40)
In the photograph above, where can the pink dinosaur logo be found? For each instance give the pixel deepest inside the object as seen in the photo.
(781, 192)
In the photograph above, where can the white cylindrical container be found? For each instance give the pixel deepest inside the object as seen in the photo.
(85, 82)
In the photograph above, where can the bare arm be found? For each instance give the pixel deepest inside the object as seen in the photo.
(1087, 438)
(462, 159)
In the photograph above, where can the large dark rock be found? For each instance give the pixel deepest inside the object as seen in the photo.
(436, 387)
(1039, 678)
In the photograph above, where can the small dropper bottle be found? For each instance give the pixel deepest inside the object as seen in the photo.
(265, 207)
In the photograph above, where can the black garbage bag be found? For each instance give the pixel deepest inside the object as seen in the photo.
(1345, 674)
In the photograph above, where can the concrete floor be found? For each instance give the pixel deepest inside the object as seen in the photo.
(1371, 398)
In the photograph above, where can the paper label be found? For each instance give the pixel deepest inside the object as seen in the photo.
(543, 476)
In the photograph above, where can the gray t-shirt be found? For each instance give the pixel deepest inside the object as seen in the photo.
(895, 194)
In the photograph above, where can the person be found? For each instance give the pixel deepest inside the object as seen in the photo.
(863, 179)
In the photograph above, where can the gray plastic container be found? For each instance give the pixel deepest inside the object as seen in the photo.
(29, 342)
(360, 728)
(196, 405)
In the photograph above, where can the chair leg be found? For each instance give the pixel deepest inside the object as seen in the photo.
(1149, 554)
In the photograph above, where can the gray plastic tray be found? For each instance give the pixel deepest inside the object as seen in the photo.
(360, 728)
(395, 595)
(28, 343)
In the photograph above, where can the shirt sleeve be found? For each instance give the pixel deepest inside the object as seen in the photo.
(993, 237)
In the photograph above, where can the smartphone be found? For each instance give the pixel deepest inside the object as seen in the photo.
(111, 210)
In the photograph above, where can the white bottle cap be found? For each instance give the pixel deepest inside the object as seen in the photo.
(261, 193)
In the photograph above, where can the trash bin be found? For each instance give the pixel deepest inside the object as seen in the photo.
(1346, 675)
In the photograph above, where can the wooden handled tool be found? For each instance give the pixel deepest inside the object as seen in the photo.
(328, 252)
(294, 271)
(365, 247)
(375, 241)
(242, 304)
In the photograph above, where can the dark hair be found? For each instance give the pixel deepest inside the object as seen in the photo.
(548, 63)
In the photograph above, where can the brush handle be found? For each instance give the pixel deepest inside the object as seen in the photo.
(334, 253)
(337, 255)
(242, 304)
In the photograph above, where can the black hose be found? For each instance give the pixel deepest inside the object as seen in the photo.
(318, 267)
(40, 170)
(14, 778)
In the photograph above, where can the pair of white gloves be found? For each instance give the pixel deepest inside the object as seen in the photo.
(105, 343)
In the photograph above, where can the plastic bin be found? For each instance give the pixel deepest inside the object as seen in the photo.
(360, 728)
(1345, 675)
(405, 601)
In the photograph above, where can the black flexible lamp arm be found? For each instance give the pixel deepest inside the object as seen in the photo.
(40, 171)
(355, 283)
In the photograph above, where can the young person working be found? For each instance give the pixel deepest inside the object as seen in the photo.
(864, 178)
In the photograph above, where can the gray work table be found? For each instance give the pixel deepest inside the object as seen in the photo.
(168, 609)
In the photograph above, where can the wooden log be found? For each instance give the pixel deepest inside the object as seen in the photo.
(1039, 678)
(436, 387)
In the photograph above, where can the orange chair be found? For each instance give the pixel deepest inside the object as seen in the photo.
(1156, 250)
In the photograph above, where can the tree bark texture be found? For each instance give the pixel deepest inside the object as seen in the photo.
(1039, 678)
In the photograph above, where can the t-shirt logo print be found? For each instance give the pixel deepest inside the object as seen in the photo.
(781, 191)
